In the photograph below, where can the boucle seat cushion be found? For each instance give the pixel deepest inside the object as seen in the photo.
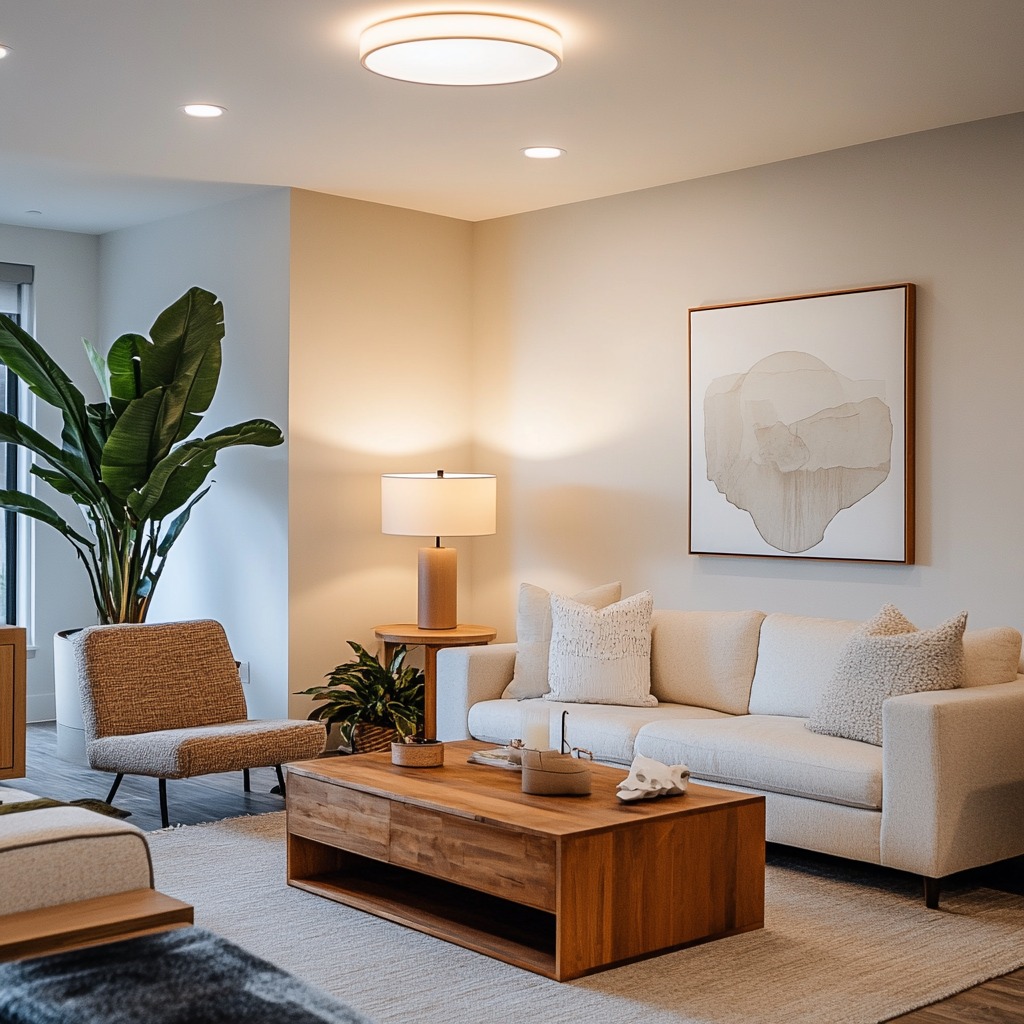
(202, 750)
(606, 730)
(770, 753)
(57, 855)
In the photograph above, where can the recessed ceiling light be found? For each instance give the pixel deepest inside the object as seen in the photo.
(4, 50)
(461, 49)
(543, 152)
(202, 110)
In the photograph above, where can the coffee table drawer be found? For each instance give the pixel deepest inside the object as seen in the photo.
(504, 862)
(343, 818)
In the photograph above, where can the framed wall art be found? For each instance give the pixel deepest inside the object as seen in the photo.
(802, 426)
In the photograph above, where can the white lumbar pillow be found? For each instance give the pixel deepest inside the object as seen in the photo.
(601, 655)
(533, 635)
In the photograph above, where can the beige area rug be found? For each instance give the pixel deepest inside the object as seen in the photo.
(845, 948)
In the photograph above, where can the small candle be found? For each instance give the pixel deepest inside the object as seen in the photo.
(537, 727)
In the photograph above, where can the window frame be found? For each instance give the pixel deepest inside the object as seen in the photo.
(15, 550)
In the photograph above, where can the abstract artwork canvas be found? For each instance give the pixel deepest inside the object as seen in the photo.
(801, 426)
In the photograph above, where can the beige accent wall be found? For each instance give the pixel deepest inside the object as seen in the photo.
(380, 381)
(580, 346)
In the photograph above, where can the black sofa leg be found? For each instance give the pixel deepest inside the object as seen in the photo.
(280, 779)
(245, 780)
(163, 802)
(113, 788)
(931, 893)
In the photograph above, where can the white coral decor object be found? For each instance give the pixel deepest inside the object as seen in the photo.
(648, 778)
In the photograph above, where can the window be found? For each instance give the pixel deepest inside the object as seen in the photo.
(15, 299)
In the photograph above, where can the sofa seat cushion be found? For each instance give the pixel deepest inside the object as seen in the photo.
(232, 746)
(608, 731)
(57, 855)
(770, 753)
(704, 659)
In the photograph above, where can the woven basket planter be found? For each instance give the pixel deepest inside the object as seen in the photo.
(367, 738)
(418, 755)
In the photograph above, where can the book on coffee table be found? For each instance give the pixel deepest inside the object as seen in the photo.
(496, 757)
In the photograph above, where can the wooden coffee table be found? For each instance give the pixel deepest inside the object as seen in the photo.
(562, 886)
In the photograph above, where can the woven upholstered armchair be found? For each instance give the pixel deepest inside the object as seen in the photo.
(165, 700)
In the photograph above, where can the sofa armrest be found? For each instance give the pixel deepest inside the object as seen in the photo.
(953, 778)
(466, 675)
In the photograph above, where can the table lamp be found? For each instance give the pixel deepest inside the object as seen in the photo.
(436, 505)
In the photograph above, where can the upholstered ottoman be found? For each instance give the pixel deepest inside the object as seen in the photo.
(61, 854)
(53, 859)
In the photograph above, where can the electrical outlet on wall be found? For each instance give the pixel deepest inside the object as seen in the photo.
(243, 672)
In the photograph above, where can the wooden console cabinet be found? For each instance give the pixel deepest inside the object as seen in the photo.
(12, 702)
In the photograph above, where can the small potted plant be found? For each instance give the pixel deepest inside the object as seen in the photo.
(372, 704)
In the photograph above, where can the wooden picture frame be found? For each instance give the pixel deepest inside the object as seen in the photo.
(802, 426)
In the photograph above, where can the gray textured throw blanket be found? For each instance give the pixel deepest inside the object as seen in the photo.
(184, 976)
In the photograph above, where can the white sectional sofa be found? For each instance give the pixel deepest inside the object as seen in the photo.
(944, 792)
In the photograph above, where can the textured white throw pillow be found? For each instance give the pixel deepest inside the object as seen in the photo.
(601, 655)
(885, 657)
(533, 635)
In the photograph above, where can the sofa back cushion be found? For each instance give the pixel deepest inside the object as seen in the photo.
(991, 655)
(704, 659)
(795, 659)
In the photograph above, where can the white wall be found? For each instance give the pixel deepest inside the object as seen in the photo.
(581, 372)
(380, 382)
(66, 301)
(231, 561)
(551, 348)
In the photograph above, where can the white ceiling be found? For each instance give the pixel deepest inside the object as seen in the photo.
(650, 92)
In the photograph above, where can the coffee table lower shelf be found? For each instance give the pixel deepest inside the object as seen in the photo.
(496, 927)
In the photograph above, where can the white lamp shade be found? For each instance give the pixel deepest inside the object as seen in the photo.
(428, 505)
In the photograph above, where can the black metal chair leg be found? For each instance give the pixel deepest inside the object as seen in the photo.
(163, 802)
(113, 788)
(245, 780)
(280, 778)
(931, 893)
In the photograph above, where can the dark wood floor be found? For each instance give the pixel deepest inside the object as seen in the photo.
(213, 797)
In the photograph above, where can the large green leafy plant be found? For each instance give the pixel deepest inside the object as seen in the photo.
(128, 462)
(368, 692)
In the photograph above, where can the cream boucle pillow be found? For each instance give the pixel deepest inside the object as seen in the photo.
(601, 655)
(885, 657)
(533, 635)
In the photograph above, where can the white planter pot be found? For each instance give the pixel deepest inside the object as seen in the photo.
(70, 726)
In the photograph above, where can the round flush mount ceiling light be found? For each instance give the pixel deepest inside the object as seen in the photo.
(203, 110)
(543, 152)
(460, 49)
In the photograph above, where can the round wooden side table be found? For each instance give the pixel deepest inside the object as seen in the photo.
(431, 640)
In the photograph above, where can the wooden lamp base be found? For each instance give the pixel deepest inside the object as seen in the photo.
(438, 588)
